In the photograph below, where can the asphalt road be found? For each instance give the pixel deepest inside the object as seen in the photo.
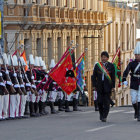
(84, 125)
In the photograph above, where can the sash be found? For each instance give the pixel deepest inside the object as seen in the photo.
(137, 68)
(104, 70)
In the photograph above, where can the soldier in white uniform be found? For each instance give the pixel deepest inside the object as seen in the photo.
(134, 67)
(52, 93)
(4, 99)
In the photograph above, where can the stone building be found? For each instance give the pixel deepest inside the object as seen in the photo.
(48, 26)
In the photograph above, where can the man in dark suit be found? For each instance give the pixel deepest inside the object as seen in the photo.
(103, 81)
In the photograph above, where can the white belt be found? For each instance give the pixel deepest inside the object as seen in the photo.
(2, 84)
(9, 83)
(136, 75)
(28, 84)
(22, 86)
(16, 85)
(33, 86)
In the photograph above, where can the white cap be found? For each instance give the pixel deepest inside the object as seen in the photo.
(22, 61)
(44, 66)
(41, 61)
(137, 48)
(5, 58)
(52, 64)
(31, 59)
(15, 60)
(37, 61)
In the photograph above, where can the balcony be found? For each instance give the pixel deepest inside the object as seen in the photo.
(64, 15)
(73, 15)
(55, 14)
(42, 14)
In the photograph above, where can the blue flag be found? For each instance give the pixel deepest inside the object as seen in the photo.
(80, 74)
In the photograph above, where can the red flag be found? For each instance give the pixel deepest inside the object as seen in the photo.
(24, 57)
(64, 75)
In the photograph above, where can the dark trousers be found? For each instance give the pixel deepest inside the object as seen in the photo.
(103, 104)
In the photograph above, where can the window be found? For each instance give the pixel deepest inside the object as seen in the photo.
(47, 12)
(117, 37)
(133, 42)
(10, 11)
(109, 39)
(34, 12)
(47, 2)
(57, 4)
(128, 41)
(66, 3)
(76, 3)
(57, 13)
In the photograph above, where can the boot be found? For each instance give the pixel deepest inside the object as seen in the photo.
(135, 106)
(100, 111)
(138, 111)
(41, 108)
(32, 111)
(96, 105)
(53, 111)
(60, 108)
(27, 111)
(112, 103)
(75, 105)
(36, 108)
(67, 106)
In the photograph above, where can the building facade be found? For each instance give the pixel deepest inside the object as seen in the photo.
(48, 26)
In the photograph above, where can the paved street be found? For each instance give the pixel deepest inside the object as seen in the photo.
(83, 125)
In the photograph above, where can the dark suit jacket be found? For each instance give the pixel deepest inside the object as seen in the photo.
(135, 81)
(103, 86)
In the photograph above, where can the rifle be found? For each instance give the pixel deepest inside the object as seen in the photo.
(32, 80)
(3, 85)
(21, 80)
(25, 75)
(8, 79)
(17, 86)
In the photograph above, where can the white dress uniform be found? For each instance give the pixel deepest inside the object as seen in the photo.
(134, 67)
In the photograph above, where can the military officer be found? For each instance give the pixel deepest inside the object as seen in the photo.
(134, 67)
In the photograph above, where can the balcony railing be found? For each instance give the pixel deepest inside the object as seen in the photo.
(39, 13)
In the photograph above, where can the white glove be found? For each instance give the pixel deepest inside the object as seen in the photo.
(32, 77)
(125, 83)
(46, 76)
(7, 72)
(15, 75)
(0, 74)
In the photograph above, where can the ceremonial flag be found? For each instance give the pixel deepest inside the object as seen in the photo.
(80, 74)
(24, 57)
(64, 75)
(117, 64)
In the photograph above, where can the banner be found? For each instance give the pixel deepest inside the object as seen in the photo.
(64, 75)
